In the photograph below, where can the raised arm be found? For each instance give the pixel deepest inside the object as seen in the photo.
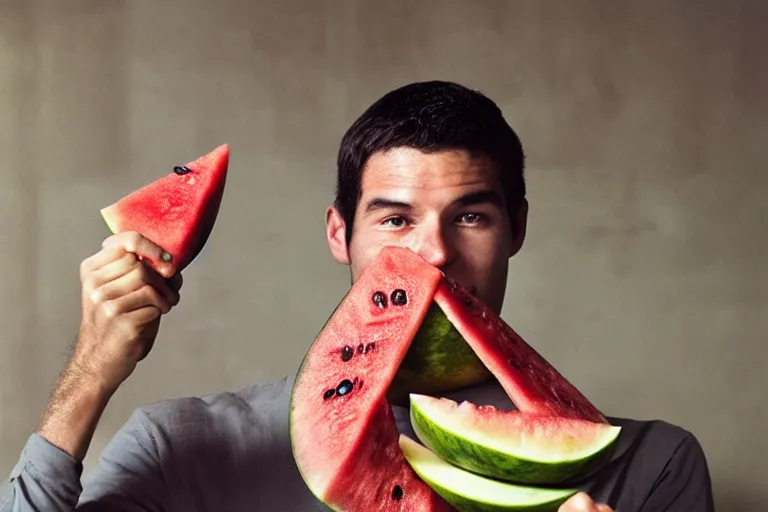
(122, 302)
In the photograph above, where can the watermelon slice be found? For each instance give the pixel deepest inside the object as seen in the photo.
(343, 434)
(178, 211)
(470, 492)
(510, 445)
(534, 385)
(342, 430)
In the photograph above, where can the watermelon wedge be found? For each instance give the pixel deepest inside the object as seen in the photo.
(510, 445)
(343, 435)
(177, 211)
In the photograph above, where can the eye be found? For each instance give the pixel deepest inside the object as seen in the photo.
(395, 222)
(471, 218)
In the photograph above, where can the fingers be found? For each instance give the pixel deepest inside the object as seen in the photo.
(114, 269)
(134, 300)
(100, 259)
(581, 502)
(124, 281)
(110, 285)
(133, 242)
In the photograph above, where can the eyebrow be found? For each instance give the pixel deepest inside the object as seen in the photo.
(480, 197)
(380, 203)
(473, 198)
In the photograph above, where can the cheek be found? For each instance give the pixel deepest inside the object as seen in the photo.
(361, 254)
(486, 261)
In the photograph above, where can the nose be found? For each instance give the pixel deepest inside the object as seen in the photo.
(434, 245)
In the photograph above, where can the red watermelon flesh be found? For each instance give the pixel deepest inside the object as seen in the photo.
(531, 382)
(346, 444)
(343, 434)
(178, 211)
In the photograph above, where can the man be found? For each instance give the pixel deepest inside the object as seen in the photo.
(430, 166)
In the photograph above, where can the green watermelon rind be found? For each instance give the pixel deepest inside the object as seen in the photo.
(461, 450)
(458, 485)
(439, 359)
(106, 215)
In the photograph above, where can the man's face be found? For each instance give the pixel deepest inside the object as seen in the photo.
(448, 207)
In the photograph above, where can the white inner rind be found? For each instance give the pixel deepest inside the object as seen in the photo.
(518, 445)
(470, 486)
(109, 219)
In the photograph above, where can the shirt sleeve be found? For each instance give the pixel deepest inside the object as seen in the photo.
(128, 477)
(685, 482)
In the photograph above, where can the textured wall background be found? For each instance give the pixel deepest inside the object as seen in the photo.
(644, 278)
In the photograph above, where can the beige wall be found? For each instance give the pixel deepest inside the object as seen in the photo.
(643, 279)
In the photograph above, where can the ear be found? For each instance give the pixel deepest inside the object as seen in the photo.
(336, 233)
(519, 228)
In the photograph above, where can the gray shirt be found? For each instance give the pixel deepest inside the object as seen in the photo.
(230, 452)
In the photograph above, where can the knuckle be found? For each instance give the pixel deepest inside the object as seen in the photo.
(96, 297)
(132, 241)
(109, 309)
(89, 285)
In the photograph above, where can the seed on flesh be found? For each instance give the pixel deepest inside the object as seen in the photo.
(514, 364)
(346, 353)
(399, 297)
(380, 299)
(181, 169)
(344, 387)
(329, 394)
(370, 347)
(360, 348)
(397, 493)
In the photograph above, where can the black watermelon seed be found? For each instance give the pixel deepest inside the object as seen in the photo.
(397, 493)
(399, 297)
(346, 353)
(370, 347)
(181, 169)
(380, 299)
(344, 387)
(329, 394)
(360, 348)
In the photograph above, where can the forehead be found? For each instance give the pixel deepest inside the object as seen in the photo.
(410, 172)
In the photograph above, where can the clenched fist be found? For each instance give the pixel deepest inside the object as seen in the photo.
(123, 298)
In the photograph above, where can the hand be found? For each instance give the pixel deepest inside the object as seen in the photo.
(581, 502)
(123, 299)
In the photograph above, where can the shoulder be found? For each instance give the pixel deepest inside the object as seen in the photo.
(259, 405)
(657, 450)
(657, 437)
(662, 467)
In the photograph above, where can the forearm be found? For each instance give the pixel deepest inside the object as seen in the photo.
(73, 413)
(45, 478)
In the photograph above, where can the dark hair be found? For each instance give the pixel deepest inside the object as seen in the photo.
(429, 116)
